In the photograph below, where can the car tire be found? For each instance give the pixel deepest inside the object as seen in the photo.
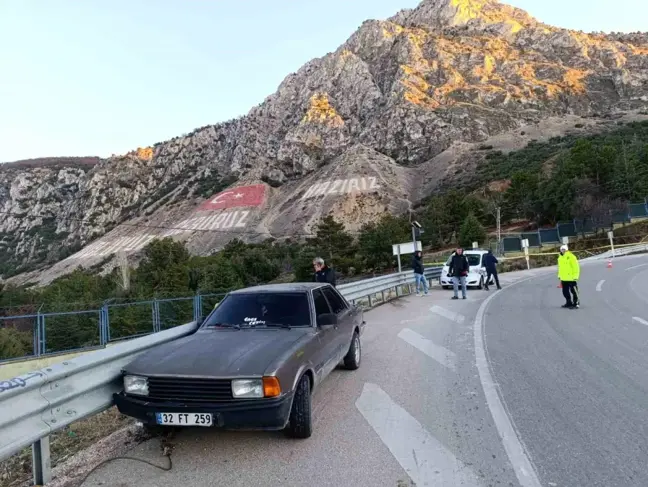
(354, 355)
(481, 283)
(300, 422)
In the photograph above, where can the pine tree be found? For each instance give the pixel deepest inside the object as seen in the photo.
(471, 231)
(333, 243)
(376, 240)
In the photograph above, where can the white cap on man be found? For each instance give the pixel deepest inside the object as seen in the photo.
(564, 248)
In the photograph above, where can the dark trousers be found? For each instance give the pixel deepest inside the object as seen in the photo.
(492, 272)
(570, 291)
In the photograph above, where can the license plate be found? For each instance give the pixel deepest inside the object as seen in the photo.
(184, 419)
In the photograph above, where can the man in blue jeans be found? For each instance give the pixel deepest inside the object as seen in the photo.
(419, 273)
(459, 268)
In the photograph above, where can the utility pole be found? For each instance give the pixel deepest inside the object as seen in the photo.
(414, 238)
(416, 228)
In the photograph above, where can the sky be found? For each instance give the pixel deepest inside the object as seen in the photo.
(94, 77)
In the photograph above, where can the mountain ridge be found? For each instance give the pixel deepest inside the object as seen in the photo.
(402, 100)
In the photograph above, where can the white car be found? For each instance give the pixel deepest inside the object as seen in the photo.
(476, 275)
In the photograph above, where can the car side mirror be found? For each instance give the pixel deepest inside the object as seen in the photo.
(327, 319)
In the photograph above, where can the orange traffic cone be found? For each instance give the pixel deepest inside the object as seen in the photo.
(609, 266)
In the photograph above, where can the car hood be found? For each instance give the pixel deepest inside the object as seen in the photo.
(217, 353)
(472, 268)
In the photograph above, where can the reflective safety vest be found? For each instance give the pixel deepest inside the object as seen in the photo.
(568, 267)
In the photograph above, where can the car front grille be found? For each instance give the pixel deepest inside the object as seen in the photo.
(189, 390)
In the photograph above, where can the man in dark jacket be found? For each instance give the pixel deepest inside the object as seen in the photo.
(323, 273)
(459, 268)
(490, 263)
(419, 273)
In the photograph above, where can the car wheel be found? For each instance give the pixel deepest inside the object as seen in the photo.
(354, 355)
(300, 423)
(481, 283)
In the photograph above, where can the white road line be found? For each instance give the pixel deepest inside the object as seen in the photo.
(448, 314)
(421, 455)
(442, 355)
(599, 286)
(636, 266)
(516, 452)
(640, 320)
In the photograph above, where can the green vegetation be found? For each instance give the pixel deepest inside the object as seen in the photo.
(571, 177)
(471, 231)
(168, 271)
(565, 178)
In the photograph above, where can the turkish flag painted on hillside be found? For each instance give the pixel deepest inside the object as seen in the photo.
(236, 198)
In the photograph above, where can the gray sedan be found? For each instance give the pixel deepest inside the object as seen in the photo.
(253, 363)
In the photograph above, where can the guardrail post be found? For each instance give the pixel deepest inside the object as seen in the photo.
(104, 325)
(153, 316)
(197, 304)
(370, 302)
(155, 310)
(43, 347)
(36, 344)
(41, 464)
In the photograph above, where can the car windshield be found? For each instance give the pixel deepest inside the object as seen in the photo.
(473, 259)
(261, 310)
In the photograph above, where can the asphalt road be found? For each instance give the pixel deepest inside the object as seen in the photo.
(575, 382)
(503, 389)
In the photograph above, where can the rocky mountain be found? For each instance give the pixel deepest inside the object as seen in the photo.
(372, 127)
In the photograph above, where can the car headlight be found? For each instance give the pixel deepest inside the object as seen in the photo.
(247, 388)
(136, 384)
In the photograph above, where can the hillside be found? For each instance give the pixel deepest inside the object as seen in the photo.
(397, 112)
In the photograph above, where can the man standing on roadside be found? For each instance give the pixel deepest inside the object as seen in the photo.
(490, 263)
(569, 273)
(419, 273)
(459, 268)
(323, 273)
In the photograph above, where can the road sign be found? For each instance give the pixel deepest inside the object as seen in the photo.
(406, 248)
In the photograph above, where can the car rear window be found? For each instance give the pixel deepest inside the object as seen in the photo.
(262, 309)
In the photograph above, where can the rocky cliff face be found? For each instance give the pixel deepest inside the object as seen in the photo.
(397, 103)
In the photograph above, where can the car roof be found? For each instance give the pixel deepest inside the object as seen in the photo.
(292, 287)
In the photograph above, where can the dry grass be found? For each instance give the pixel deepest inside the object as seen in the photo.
(63, 445)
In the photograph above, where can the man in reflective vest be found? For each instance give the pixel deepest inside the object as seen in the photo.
(569, 273)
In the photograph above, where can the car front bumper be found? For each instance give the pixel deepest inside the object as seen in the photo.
(471, 280)
(264, 414)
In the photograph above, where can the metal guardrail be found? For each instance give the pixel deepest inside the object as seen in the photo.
(37, 404)
(620, 251)
(375, 285)
(98, 327)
